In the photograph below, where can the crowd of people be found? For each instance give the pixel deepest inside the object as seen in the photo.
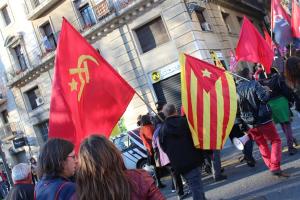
(98, 171)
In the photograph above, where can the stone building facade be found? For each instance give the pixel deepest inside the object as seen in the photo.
(141, 39)
(17, 54)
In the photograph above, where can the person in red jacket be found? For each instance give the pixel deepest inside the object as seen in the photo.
(146, 133)
(102, 174)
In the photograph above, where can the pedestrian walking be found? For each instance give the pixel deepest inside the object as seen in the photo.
(292, 74)
(102, 174)
(281, 96)
(23, 188)
(238, 130)
(146, 133)
(56, 164)
(162, 160)
(176, 141)
(255, 112)
(3, 184)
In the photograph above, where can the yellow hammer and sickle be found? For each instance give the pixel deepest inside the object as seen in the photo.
(82, 60)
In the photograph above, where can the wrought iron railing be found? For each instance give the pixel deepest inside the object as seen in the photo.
(37, 53)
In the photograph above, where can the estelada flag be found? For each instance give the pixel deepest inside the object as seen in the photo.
(252, 47)
(209, 100)
(88, 95)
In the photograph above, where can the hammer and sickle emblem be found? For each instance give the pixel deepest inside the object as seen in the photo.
(82, 61)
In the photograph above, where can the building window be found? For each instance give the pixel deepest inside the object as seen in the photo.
(34, 98)
(152, 35)
(43, 129)
(20, 57)
(48, 37)
(5, 15)
(87, 16)
(199, 16)
(226, 19)
(4, 116)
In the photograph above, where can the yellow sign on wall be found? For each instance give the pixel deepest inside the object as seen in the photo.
(155, 76)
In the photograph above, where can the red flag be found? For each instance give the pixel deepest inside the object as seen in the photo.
(88, 95)
(252, 47)
(296, 18)
(268, 38)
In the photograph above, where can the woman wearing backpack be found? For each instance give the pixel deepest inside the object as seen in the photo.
(57, 163)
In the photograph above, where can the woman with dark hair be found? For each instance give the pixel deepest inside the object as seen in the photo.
(33, 165)
(292, 73)
(57, 163)
(102, 174)
(281, 97)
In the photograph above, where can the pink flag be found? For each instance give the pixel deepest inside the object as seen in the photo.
(233, 62)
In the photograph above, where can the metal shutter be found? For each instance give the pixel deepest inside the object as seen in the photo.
(169, 90)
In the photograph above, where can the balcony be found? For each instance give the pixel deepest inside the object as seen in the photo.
(35, 8)
(103, 19)
(11, 130)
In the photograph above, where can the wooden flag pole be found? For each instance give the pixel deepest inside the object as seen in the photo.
(264, 71)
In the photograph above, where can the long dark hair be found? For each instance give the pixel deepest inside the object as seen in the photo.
(52, 157)
(292, 71)
(101, 172)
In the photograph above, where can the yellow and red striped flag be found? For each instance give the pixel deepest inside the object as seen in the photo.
(209, 101)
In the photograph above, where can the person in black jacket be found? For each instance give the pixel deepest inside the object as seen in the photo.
(176, 141)
(23, 187)
(255, 112)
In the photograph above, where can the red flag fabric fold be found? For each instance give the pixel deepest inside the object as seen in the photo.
(252, 47)
(88, 95)
(268, 38)
(296, 18)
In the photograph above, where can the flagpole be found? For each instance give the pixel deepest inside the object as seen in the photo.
(147, 104)
(264, 71)
(271, 21)
(233, 74)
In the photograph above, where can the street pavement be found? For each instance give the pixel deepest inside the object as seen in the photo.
(245, 183)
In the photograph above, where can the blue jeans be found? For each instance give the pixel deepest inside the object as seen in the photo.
(193, 179)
